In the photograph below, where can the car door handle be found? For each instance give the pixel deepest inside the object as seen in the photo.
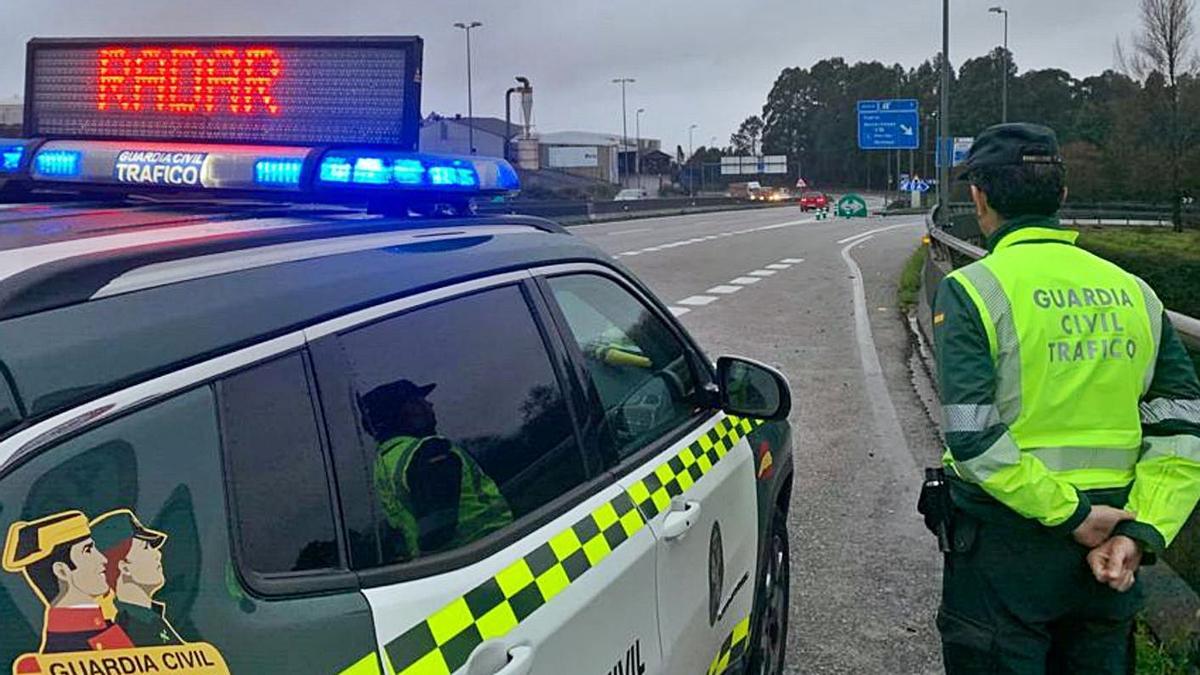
(520, 661)
(679, 521)
(494, 658)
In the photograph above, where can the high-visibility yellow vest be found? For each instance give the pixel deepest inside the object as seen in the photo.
(1074, 339)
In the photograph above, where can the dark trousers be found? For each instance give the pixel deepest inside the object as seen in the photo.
(1019, 599)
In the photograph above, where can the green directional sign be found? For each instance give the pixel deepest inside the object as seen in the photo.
(852, 206)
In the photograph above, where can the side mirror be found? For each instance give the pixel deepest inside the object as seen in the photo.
(750, 389)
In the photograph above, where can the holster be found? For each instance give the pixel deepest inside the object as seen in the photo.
(937, 508)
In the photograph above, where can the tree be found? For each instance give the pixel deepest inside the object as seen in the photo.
(1164, 46)
(747, 139)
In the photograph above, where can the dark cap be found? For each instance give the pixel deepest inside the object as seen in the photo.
(387, 396)
(115, 527)
(1012, 145)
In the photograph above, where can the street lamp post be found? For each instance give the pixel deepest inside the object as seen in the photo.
(691, 156)
(624, 121)
(1004, 95)
(944, 115)
(466, 27)
(637, 160)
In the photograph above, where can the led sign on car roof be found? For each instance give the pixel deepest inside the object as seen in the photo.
(326, 119)
(296, 91)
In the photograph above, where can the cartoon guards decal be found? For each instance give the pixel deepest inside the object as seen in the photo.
(97, 580)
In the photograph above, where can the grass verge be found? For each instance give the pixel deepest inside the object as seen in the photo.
(1154, 658)
(1168, 261)
(910, 278)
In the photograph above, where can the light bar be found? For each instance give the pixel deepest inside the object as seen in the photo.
(342, 173)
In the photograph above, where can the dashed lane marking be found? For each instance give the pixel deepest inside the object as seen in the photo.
(792, 261)
(724, 290)
(698, 300)
(763, 273)
(679, 311)
(779, 266)
(746, 281)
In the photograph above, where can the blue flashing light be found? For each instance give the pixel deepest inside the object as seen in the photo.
(371, 171)
(59, 162)
(408, 171)
(278, 171)
(335, 170)
(506, 177)
(10, 158)
(414, 171)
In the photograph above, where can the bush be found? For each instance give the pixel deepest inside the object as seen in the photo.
(910, 279)
(1168, 261)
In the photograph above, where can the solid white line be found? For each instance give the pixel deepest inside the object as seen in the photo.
(779, 266)
(628, 253)
(746, 281)
(698, 300)
(724, 290)
(889, 436)
(615, 234)
(875, 231)
(763, 273)
(679, 311)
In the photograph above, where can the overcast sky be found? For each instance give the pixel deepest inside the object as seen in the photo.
(705, 62)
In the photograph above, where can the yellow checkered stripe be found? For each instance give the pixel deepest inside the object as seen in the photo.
(733, 648)
(441, 644)
(653, 493)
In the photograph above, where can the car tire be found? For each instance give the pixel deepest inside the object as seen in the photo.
(768, 644)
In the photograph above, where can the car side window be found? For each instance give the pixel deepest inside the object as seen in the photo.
(271, 438)
(640, 370)
(464, 419)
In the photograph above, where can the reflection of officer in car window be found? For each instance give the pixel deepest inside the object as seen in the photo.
(433, 493)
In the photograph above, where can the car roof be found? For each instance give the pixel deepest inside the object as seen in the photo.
(94, 298)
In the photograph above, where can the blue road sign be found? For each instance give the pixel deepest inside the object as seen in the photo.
(918, 185)
(889, 125)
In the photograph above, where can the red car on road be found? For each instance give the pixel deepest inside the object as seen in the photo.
(813, 200)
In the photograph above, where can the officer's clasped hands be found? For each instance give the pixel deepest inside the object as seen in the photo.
(1113, 560)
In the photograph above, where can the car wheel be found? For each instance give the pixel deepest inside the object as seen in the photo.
(769, 645)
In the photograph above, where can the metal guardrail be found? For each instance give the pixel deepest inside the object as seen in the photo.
(600, 210)
(1188, 327)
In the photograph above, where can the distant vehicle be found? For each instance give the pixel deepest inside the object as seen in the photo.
(631, 195)
(779, 194)
(750, 191)
(813, 200)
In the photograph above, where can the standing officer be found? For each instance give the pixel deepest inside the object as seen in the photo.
(1072, 418)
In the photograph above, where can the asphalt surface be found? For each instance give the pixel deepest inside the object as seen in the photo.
(865, 574)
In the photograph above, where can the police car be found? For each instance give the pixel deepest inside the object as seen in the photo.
(274, 400)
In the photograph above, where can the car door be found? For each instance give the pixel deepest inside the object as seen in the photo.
(201, 532)
(684, 464)
(545, 566)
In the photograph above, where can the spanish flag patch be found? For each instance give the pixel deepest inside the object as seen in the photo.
(939, 318)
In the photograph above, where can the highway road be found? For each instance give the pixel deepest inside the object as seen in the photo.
(818, 301)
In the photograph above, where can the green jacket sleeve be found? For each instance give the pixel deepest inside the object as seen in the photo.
(981, 449)
(1167, 483)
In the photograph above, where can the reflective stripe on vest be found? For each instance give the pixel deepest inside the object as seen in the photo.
(996, 311)
(1075, 459)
